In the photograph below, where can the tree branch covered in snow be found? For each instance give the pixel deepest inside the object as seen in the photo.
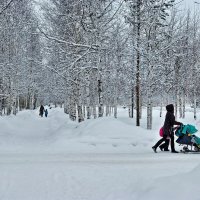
(92, 56)
(6, 7)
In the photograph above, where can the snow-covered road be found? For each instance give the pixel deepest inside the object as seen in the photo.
(161, 159)
(90, 176)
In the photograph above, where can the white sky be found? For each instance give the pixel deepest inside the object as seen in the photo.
(190, 3)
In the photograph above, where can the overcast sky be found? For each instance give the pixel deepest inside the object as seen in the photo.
(190, 3)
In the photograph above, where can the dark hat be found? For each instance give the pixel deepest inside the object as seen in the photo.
(170, 108)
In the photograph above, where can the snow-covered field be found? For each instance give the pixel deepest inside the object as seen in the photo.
(103, 159)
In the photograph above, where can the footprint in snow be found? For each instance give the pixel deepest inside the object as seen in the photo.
(133, 144)
(93, 144)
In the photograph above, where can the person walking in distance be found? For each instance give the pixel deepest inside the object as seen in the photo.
(41, 110)
(45, 112)
(168, 129)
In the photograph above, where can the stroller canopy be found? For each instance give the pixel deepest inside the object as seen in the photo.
(186, 135)
(186, 129)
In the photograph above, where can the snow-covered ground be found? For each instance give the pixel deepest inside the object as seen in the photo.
(100, 159)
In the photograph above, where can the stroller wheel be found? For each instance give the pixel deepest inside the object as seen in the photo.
(185, 148)
(196, 148)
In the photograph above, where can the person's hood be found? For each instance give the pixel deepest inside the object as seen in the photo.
(170, 108)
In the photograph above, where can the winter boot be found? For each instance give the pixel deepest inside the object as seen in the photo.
(161, 148)
(154, 149)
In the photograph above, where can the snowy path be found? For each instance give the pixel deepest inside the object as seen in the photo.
(100, 158)
(87, 176)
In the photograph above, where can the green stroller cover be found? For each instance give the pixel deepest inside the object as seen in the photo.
(186, 129)
(189, 130)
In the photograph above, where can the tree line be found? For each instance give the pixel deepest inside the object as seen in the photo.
(92, 56)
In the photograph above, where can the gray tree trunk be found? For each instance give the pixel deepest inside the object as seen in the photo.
(65, 106)
(137, 90)
(161, 110)
(100, 94)
(107, 110)
(195, 104)
(79, 102)
(1, 106)
(94, 112)
(131, 113)
(180, 108)
(72, 112)
(184, 104)
(149, 114)
(88, 110)
(14, 107)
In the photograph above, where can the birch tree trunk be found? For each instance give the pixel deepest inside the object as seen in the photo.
(195, 104)
(195, 57)
(83, 108)
(9, 101)
(149, 126)
(72, 113)
(1, 96)
(1, 108)
(100, 95)
(80, 113)
(131, 107)
(149, 103)
(65, 106)
(176, 106)
(184, 95)
(161, 106)
(180, 108)
(14, 107)
(94, 112)
(149, 82)
(177, 85)
(34, 101)
(107, 110)
(116, 94)
(18, 103)
(88, 110)
(79, 103)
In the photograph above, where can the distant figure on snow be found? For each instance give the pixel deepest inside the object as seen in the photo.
(41, 110)
(46, 112)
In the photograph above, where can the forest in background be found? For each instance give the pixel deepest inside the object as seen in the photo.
(92, 56)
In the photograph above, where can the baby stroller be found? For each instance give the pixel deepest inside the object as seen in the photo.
(187, 138)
